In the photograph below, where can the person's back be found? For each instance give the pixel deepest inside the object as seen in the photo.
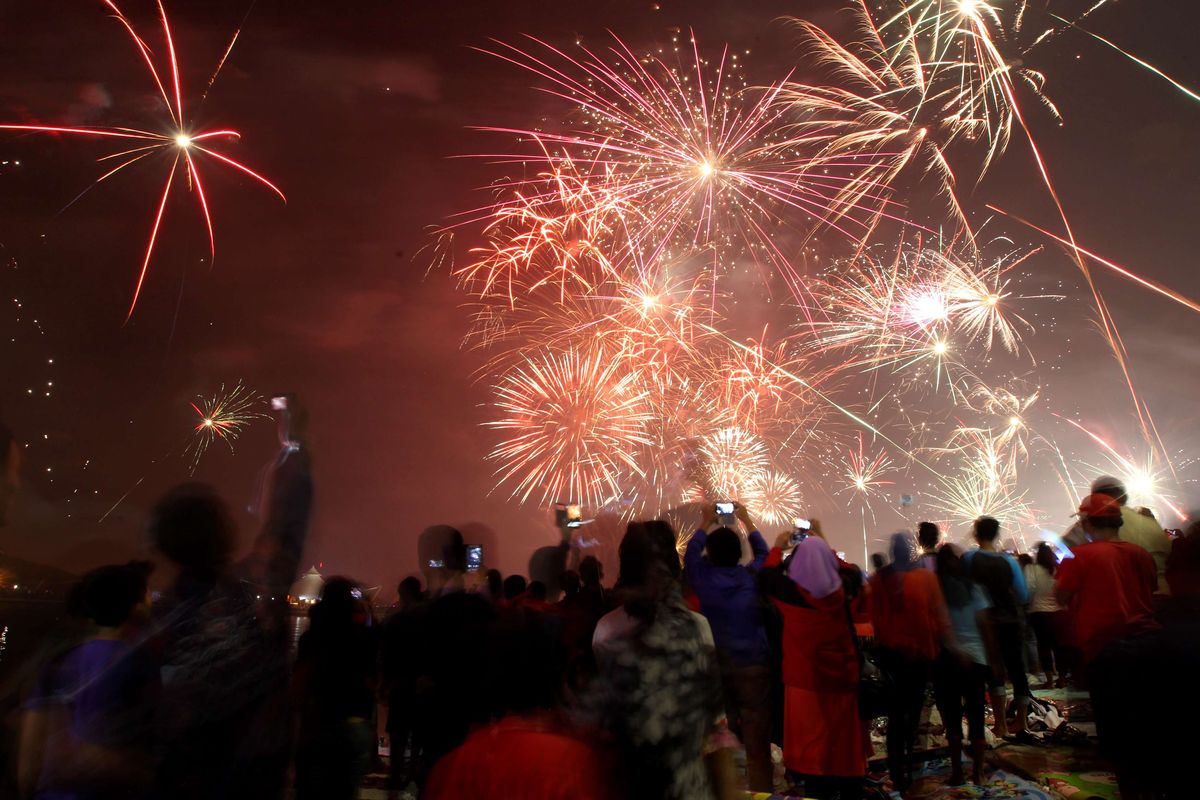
(87, 730)
(521, 759)
(1001, 577)
(906, 611)
(1111, 583)
(728, 593)
(1145, 531)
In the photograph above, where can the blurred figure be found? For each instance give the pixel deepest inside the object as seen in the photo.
(403, 637)
(1046, 614)
(824, 740)
(87, 727)
(657, 691)
(334, 685)
(878, 562)
(224, 721)
(592, 594)
(514, 587)
(494, 585)
(911, 624)
(729, 599)
(528, 753)
(1109, 587)
(570, 584)
(928, 538)
(453, 679)
(1139, 527)
(1001, 578)
(961, 672)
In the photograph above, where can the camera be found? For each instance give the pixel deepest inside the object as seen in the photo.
(474, 557)
(436, 563)
(725, 508)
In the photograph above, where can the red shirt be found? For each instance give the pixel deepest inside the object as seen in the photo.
(908, 612)
(1112, 584)
(521, 759)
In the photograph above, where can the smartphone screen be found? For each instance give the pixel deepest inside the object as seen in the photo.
(725, 509)
(474, 557)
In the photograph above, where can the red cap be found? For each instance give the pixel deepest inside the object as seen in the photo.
(1099, 505)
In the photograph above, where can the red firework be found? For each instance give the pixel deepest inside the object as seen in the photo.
(182, 142)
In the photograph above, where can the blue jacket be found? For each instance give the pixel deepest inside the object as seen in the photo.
(729, 599)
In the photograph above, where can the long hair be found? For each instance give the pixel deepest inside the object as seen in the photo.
(1044, 557)
(952, 575)
(650, 567)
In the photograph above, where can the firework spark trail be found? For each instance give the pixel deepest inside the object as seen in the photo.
(576, 421)
(178, 143)
(1142, 475)
(222, 417)
(702, 158)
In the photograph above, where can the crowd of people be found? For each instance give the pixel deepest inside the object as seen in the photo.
(502, 687)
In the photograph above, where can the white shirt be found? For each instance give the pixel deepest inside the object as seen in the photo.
(1041, 590)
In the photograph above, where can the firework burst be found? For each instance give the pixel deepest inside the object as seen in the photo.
(182, 144)
(731, 461)
(222, 417)
(774, 497)
(574, 422)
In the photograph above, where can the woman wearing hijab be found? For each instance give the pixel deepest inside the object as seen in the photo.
(911, 623)
(824, 741)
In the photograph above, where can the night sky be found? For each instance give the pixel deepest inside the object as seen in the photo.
(357, 110)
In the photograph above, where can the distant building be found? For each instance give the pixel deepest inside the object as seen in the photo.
(307, 589)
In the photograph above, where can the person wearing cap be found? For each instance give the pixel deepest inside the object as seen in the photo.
(1108, 585)
(1139, 526)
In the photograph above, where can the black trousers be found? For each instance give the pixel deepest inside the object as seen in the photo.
(959, 688)
(909, 678)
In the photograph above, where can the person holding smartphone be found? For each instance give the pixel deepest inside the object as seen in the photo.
(729, 599)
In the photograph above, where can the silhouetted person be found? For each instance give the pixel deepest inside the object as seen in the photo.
(453, 677)
(527, 753)
(514, 587)
(403, 638)
(928, 537)
(495, 585)
(570, 584)
(1046, 615)
(224, 723)
(87, 727)
(334, 685)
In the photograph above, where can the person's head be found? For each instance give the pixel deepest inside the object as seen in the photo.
(649, 567)
(514, 587)
(410, 591)
(928, 536)
(724, 548)
(569, 583)
(1100, 516)
(1044, 557)
(341, 600)
(455, 552)
(1025, 560)
(495, 584)
(902, 550)
(1113, 487)
(537, 590)
(109, 596)
(591, 571)
(878, 561)
(192, 529)
(952, 576)
(987, 531)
